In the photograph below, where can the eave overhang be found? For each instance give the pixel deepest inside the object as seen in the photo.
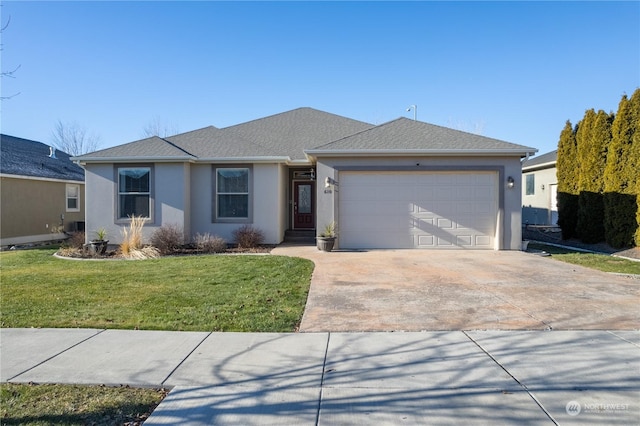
(541, 166)
(521, 153)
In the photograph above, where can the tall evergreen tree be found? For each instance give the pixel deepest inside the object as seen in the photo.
(566, 167)
(593, 138)
(620, 175)
(635, 153)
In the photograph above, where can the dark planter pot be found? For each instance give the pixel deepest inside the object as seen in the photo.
(99, 246)
(325, 243)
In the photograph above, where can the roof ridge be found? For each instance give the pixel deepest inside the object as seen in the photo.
(178, 147)
(192, 131)
(357, 133)
(292, 110)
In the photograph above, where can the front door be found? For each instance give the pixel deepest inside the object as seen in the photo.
(303, 208)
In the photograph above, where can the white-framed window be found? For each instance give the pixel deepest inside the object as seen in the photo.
(73, 197)
(134, 192)
(530, 185)
(232, 194)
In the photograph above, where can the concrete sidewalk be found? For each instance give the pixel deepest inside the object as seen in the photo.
(446, 377)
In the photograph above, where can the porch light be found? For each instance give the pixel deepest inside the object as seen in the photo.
(328, 182)
(510, 182)
(313, 174)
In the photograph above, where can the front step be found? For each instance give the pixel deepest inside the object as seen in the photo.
(300, 236)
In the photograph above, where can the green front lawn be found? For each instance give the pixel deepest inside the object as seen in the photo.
(197, 293)
(37, 405)
(601, 262)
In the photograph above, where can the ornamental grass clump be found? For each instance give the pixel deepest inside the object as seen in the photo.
(208, 243)
(131, 246)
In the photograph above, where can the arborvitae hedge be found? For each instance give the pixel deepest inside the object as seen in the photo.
(594, 136)
(566, 166)
(635, 153)
(598, 170)
(620, 176)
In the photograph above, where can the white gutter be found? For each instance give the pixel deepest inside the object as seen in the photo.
(546, 165)
(40, 178)
(412, 152)
(85, 160)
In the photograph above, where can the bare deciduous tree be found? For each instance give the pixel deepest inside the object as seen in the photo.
(73, 139)
(158, 126)
(7, 73)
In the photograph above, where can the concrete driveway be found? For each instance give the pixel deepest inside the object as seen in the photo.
(415, 290)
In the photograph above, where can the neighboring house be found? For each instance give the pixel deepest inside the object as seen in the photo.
(540, 190)
(42, 192)
(402, 184)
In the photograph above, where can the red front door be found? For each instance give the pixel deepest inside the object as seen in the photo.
(303, 208)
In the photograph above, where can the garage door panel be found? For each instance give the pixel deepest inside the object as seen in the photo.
(425, 209)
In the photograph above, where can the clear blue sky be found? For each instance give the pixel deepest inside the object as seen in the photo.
(511, 70)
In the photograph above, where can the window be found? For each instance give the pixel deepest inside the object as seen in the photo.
(531, 185)
(232, 193)
(134, 192)
(73, 198)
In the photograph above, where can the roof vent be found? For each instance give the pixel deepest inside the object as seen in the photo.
(52, 152)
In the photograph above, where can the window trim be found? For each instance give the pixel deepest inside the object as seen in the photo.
(67, 197)
(530, 188)
(214, 202)
(117, 169)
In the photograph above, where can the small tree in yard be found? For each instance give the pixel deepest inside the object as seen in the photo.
(248, 237)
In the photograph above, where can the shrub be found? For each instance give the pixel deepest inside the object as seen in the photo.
(76, 241)
(248, 237)
(168, 238)
(208, 243)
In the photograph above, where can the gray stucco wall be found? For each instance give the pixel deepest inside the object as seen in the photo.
(169, 192)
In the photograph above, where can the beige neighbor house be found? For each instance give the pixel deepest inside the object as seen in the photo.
(540, 190)
(402, 184)
(41, 193)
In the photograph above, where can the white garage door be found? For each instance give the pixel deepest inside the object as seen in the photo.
(418, 209)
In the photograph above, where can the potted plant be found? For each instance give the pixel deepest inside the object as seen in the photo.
(327, 238)
(99, 245)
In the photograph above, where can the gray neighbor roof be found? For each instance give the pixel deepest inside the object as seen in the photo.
(24, 157)
(543, 161)
(291, 135)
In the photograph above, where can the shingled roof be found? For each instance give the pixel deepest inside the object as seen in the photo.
(24, 157)
(405, 135)
(291, 135)
(291, 132)
(543, 161)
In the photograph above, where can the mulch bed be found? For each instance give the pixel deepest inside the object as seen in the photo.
(183, 251)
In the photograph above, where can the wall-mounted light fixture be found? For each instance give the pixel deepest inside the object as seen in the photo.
(328, 182)
(542, 186)
(312, 172)
(510, 182)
